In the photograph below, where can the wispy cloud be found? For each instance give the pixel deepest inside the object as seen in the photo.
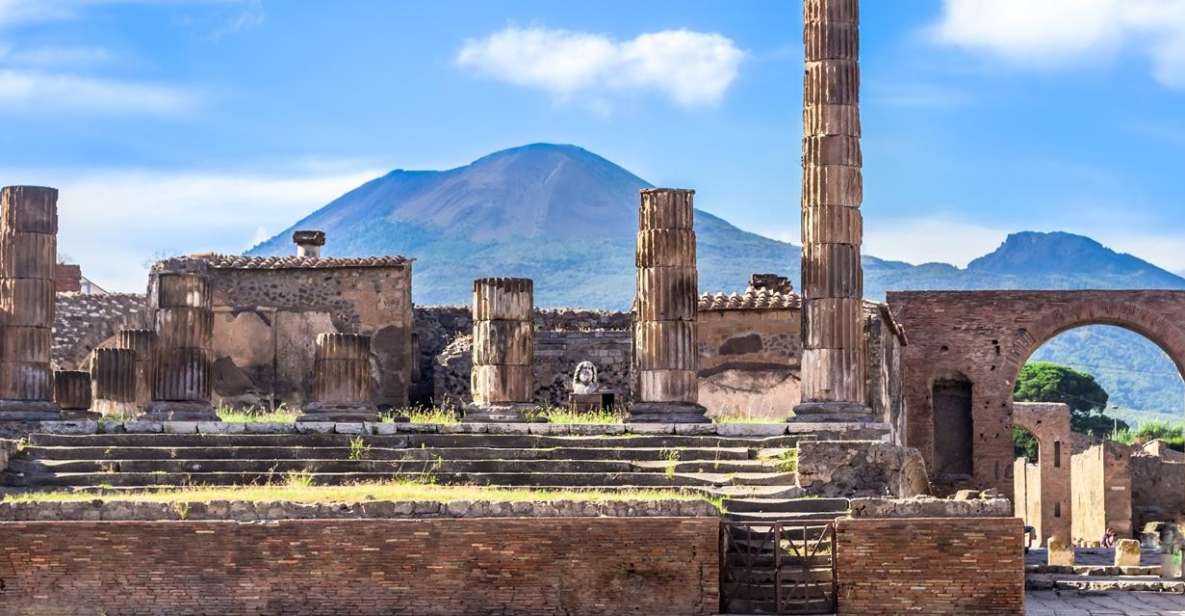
(33, 91)
(693, 69)
(1054, 33)
(115, 221)
(930, 239)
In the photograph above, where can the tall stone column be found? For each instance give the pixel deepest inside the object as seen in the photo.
(502, 382)
(113, 383)
(341, 380)
(28, 254)
(72, 392)
(665, 310)
(833, 366)
(184, 320)
(143, 343)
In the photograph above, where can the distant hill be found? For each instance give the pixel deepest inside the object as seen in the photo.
(566, 218)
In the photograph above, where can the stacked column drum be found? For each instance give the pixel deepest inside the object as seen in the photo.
(665, 309)
(341, 380)
(184, 321)
(833, 363)
(143, 343)
(113, 382)
(72, 392)
(28, 256)
(503, 349)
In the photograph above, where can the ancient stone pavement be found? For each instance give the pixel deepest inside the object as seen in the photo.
(1050, 603)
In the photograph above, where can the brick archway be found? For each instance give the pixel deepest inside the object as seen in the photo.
(988, 335)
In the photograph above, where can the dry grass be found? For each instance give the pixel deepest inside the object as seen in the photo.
(295, 489)
(745, 418)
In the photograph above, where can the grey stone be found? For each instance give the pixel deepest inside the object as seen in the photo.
(139, 426)
(509, 428)
(700, 429)
(550, 429)
(420, 428)
(78, 426)
(464, 428)
(750, 429)
(220, 427)
(349, 428)
(315, 427)
(271, 428)
(653, 428)
(180, 427)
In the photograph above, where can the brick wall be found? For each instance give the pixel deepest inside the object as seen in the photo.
(930, 566)
(570, 566)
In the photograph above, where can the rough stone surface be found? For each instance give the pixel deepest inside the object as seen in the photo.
(1127, 553)
(1041, 491)
(860, 468)
(929, 507)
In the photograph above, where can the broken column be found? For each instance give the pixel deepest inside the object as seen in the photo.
(72, 392)
(833, 366)
(113, 383)
(503, 350)
(181, 305)
(28, 254)
(308, 243)
(341, 380)
(665, 310)
(143, 343)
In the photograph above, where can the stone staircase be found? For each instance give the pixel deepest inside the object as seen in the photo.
(751, 467)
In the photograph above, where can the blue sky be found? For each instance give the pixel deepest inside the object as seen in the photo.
(184, 126)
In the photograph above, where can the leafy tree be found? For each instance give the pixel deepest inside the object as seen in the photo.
(1049, 382)
(1024, 444)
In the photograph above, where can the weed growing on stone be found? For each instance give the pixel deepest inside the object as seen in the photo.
(280, 414)
(671, 456)
(744, 418)
(298, 479)
(358, 449)
(560, 415)
(427, 415)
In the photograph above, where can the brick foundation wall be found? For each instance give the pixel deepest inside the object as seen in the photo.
(570, 566)
(930, 566)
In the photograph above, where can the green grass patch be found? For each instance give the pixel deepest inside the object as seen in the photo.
(296, 488)
(426, 415)
(561, 415)
(1172, 433)
(281, 414)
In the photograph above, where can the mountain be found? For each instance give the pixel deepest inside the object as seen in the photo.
(566, 218)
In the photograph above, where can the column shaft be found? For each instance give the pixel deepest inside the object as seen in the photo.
(341, 380)
(113, 382)
(144, 343)
(183, 317)
(502, 382)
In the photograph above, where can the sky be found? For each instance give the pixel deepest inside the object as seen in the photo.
(178, 126)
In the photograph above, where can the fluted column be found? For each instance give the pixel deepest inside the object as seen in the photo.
(833, 364)
(28, 254)
(72, 392)
(143, 342)
(341, 380)
(502, 383)
(113, 382)
(665, 309)
(184, 328)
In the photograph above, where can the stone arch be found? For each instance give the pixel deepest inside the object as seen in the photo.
(1152, 325)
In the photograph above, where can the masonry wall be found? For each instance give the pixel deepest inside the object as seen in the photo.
(930, 566)
(1101, 486)
(749, 362)
(1158, 489)
(82, 323)
(569, 566)
(1050, 504)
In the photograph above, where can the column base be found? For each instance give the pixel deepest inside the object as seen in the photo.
(29, 410)
(345, 412)
(667, 412)
(166, 410)
(501, 412)
(831, 412)
(80, 414)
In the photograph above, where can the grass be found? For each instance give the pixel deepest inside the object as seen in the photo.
(561, 415)
(281, 414)
(745, 418)
(1172, 433)
(426, 415)
(295, 489)
(358, 448)
(671, 458)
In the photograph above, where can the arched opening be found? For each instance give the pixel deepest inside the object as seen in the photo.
(954, 426)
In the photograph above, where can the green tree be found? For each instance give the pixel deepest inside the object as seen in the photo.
(1043, 381)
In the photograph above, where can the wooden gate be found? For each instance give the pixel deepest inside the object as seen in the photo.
(777, 568)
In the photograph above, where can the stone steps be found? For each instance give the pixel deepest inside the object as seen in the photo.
(527, 479)
(339, 465)
(378, 452)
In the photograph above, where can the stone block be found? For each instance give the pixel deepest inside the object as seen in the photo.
(1059, 553)
(384, 429)
(315, 427)
(748, 429)
(653, 428)
(141, 426)
(597, 429)
(82, 426)
(349, 428)
(220, 427)
(695, 429)
(550, 429)
(1127, 553)
(418, 428)
(464, 428)
(271, 428)
(509, 428)
(180, 427)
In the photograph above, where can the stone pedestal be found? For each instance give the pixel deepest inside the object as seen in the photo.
(503, 350)
(665, 310)
(833, 362)
(143, 343)
(72, 392)
(28, 254)
(184, 323)
(113, 383)
(591, 403)
(341, 380)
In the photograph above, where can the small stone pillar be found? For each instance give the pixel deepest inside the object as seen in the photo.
(1059, 553)
(72, 392)
(502, 382)
(143, 343)
(28, 255)
(1127, 553)
(308, 243)
(833, 362)
(665, 310)
(341, 380)
(184, 320)
(113, 383)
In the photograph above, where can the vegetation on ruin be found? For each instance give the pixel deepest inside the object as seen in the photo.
(1049, 382)
(744, 418)
(280, 414)
(294, 489)
(561, 415)
(425, 414)
(1172, 433)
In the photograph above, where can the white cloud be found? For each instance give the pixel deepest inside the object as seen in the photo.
(38, 91)
(1055, 33)
(926, 240)
(692, 68)
(113, 222)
